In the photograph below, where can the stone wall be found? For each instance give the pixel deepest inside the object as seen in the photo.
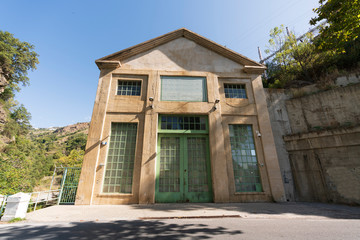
(328, 109)
(317, 139)
(326, 165)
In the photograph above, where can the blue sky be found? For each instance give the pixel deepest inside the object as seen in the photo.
(70, 35)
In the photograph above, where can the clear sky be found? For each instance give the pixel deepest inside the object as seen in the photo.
(69, 35)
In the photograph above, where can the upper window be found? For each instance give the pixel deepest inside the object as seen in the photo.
(183, 122)
(235, 90)
(129, 88)
(183, 89)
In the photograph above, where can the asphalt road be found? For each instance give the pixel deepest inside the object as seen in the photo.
(216, 228)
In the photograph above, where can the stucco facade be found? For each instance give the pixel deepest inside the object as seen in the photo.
(181, 55)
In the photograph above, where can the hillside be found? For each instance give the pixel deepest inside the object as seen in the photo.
(27, 160)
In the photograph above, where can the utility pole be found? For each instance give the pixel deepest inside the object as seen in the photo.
(260, 56)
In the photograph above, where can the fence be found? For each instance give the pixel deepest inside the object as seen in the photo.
(64, 195)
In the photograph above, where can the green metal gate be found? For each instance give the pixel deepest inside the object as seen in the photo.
(69, 184)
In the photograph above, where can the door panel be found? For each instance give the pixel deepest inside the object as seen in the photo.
(183, 169)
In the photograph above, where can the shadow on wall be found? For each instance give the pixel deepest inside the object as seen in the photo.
(116, 230)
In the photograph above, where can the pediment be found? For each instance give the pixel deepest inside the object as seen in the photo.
(180, 50)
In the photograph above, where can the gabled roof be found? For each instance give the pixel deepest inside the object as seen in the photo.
(114, 60)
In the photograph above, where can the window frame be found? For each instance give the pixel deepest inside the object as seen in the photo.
(239, 84)
(204, 85)
(160, 130)
(134, 161)
(128, 80)
(259, 170)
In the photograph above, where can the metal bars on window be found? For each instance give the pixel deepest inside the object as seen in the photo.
(129, 88)
(245, 165)
(235, 90)
(121, 157)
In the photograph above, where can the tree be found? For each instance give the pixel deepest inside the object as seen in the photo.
(16, 58)
(74, 159)
(22, 117)
(293, 59)
(342, 24)
(77, 142)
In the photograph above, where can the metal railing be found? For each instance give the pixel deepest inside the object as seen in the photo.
(46, 197)
(3, 199)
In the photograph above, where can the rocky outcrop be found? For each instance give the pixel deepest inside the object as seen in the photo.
(3, 81)
(72, 128)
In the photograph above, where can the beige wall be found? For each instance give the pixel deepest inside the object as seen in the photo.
(173, 59)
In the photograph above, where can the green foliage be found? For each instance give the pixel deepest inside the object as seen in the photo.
(342, 24)
(292, 61)
(18, 120)
(22, 164)
(14, 220)
(16, 58)
(74, 159)
(299, 63)
(77, 141)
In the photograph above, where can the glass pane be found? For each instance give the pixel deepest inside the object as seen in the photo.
(197, 173)
(169, 176)
(183, 123)
(246, 171)
(129, 88)
(120, 160)
(235, 90)
(188, 89)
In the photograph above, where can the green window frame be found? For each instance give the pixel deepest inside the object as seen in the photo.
(183, 89)
(119, 169)
(235, 90)
(244, 158)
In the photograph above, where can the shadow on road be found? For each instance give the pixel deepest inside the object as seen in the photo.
(334, 211)
(114, 230)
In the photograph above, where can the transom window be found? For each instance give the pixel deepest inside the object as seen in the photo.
(129, 88)
(235, 90)
(183, 123)
(245, 165)
(183, 89)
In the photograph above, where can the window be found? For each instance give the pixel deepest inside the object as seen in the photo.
(129, 88)
(120, 160)
(183, 89)
(235, 90)
(245, 166)
(183, 123)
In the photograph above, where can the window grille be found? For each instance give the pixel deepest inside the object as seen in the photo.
(245, 165)
(235, 90)
(183, 122)
(129, 88)
(120, 160)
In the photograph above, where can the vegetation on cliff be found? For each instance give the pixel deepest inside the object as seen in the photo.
(316, 59)
(26, 154)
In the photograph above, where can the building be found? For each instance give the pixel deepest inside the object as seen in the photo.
(179, 118)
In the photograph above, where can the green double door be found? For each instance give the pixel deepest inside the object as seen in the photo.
(183, 169)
